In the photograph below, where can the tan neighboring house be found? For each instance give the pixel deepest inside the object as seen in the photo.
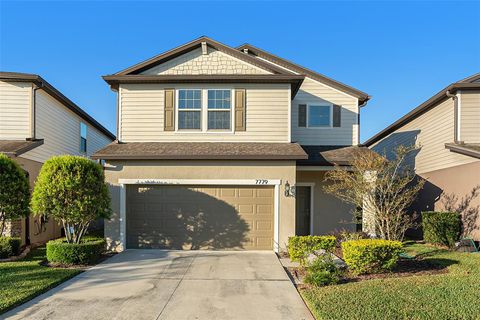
(226, 148)
(37, 122)
(446, 129)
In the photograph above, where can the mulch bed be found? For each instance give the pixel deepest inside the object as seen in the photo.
(83, 267)
(405, 268)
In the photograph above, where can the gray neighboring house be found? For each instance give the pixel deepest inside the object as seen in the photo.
(37, 122)
(446, 128)
(226, 148)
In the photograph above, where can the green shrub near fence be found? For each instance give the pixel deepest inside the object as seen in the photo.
(441, 227)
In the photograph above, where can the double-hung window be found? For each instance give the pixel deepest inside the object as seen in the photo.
(319, 116)
(189, 109)
(83, 137)
(219, 106)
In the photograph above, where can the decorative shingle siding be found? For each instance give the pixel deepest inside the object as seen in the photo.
(196, 63)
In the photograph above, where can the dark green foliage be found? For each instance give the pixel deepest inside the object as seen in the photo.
(14, 191)
(299, 247)
(371, 255)
(73, 191)
(88, 251)
(323, 271)
(9, 246)
(441, 227)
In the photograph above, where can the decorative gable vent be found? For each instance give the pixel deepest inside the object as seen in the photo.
(204, 48)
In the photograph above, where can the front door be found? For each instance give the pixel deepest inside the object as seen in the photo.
(303, 209)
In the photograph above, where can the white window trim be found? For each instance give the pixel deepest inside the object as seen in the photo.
(312, 193)
(232, 98)
(204, 111)
(244, 182)
(177, 110)
(322, 104)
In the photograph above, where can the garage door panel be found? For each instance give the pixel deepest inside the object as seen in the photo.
(188, 217)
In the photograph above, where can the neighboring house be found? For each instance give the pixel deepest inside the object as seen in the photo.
(36, 123)
(446, 129)
(213, 144)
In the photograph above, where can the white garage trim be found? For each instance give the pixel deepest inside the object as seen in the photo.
(245, 182)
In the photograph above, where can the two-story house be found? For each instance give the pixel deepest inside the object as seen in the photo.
(225, 148)
(446, 131)
(37, 122)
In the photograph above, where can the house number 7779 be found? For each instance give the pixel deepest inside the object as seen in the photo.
(261, 181)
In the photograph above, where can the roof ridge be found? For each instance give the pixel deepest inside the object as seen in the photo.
(291, 65)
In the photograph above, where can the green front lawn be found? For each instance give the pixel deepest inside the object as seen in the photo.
(452, 295)
(24, 279)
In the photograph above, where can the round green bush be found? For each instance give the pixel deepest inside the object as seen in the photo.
(9, 246)
(299, 247)
(88, 251)
(73, 191)
(14, 191)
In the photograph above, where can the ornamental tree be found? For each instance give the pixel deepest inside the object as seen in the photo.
(14, 192)
(383, 189)
(72, 190)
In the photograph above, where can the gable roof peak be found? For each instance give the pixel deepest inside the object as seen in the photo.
(189, 46)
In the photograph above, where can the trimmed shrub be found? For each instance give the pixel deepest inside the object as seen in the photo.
(9, 246)
(441, 227)
(371, 255)
(14, 192)
(323, 271)
(88, 251)
(299, 247)
(73, 191)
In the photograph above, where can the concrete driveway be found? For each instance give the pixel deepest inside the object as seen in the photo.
(158, 284)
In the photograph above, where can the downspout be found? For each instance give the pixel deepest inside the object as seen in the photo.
(364, 103)
(456, 125)
(34, 109)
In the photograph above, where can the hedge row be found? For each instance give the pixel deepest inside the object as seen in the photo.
(371, 255)
(88, 251)
(299, 247)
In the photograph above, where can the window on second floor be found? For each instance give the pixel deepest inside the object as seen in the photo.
(319, 116)
(204, 109)
(189, 109)
(219, 104)
(83, 137)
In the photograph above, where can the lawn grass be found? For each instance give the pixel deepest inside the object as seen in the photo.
(452, 295)
(24, 279)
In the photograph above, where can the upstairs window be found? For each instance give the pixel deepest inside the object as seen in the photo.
(219, 106)
(319, 116)
(83, 137)
(189, 109)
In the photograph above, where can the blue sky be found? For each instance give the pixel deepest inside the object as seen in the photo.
(401, 53)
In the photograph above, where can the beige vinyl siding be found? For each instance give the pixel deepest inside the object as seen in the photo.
(194, 62)
(330, 214)
(15, 110)
(312, 92)
(470, 116)
(430, 131)
(60, 129)
(142, 116)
